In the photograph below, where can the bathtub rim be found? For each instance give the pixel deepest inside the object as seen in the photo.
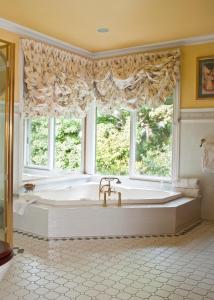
(46, 197)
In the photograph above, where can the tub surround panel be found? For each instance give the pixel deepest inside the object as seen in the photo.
(35, 220)
(111, 221)
(187, 213)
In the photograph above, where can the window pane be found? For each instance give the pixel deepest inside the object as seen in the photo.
(68, 143)
(154, 140)
(38, 141)
(112, 147)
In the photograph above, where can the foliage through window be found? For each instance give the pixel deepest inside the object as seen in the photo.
(154, 140)
(112, 147)
(38, 141)
(68, 138)
(54, 143)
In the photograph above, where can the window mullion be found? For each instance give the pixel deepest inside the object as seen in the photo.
(27, 143)
(90, 140)
(51, 142)
(132, 153)
(83, 145)
(176, 133)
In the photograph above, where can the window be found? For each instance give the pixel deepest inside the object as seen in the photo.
(139, 144)
(112, 143)
(153, 143)
(37, 142)
(145, 151)
(53, 143)
(68, 136)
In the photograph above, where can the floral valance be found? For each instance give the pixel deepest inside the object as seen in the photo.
(58, 82)
(136, 79)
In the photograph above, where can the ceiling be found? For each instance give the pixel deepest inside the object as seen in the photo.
(131, 22)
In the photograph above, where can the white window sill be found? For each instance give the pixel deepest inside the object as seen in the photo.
(160, 179)
(151, 178)
(38, 179)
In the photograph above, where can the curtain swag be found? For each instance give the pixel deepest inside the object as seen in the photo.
(58, 82)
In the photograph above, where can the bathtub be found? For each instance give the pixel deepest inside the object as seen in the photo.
(77, 212)
(88, 194)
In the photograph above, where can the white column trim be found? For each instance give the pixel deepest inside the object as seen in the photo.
(132, 150)
(90, 140)
(51, 143)
(176, 135)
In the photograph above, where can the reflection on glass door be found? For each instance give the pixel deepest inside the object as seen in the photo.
(6, 138)
(3, 77)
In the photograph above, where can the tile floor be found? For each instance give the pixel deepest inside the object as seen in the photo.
(178, 267)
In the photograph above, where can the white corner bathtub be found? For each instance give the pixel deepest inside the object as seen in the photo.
(88, 194)
(77, 212)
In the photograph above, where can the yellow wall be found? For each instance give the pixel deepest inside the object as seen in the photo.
(188, 75)
(13, 38)
(188, 71)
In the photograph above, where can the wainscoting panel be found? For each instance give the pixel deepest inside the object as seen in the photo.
(195, 125)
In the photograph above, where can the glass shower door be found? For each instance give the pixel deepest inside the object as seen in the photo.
(3, 79)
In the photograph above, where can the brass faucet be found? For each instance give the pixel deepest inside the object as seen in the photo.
(108, 190)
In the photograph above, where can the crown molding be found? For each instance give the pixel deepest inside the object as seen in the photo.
(149, 47)
(30, 33)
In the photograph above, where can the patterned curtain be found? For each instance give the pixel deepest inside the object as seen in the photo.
(58, 82)
(136, 79)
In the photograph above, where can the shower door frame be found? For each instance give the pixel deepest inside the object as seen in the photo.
(9, 121)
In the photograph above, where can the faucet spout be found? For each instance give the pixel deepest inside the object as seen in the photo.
(105, 183)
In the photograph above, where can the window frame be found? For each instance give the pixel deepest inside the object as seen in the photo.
(51, 168)
(175, 144)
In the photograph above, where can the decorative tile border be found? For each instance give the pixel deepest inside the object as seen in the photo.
(42, 238)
